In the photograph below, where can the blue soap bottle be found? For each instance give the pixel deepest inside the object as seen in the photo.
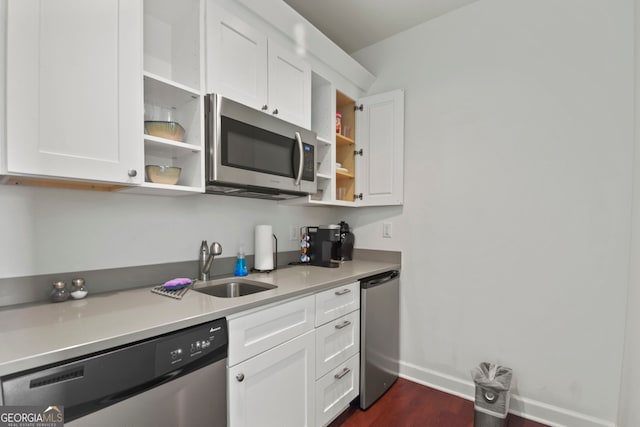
(241, 264)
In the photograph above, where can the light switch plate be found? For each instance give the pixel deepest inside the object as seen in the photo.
(387, 231)
(293, 233)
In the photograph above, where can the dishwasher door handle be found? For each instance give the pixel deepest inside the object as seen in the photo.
(385, 279)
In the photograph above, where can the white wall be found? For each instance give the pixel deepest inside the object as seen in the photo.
(629, 411)
(516, 226)
(52, 231)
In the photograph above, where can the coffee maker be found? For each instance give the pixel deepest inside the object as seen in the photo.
(343, 249)
(321, 242)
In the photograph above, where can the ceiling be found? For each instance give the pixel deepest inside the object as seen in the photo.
(355, 24)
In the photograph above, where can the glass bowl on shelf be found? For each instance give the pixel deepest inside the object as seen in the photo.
(163, 174)
(168, 130)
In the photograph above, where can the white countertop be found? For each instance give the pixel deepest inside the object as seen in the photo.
(38, 335)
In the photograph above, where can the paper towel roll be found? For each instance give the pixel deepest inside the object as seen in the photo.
(264, 248)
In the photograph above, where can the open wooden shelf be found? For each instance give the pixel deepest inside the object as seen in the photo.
(341, 174)
(343, 140)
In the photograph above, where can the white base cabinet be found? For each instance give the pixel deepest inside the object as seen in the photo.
(295, 363)
(337, 350)
(271, 366)
(275, 388)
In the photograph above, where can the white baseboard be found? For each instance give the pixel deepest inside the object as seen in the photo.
(523, 407)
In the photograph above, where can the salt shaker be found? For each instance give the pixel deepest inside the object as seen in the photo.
(59, 293)
(79, 289)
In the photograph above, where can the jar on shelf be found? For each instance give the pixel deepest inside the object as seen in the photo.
(338, 122)
(59, 293)
(79, 289)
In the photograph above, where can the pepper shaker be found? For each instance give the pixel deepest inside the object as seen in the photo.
(59, 293)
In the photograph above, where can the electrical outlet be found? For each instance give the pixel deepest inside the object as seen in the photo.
(293, 233)
(387, 231)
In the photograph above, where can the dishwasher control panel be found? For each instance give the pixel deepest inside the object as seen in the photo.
(206, 340)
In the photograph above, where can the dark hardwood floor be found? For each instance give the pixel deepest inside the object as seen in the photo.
(408, 404)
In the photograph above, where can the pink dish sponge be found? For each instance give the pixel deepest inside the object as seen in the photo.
(175, 284)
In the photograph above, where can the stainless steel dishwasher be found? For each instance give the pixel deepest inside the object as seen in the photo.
(379, 335)
(176, 379)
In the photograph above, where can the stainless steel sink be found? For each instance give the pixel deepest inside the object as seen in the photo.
(231, 288)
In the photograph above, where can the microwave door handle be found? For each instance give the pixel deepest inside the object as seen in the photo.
(301, 158)
(212, 127)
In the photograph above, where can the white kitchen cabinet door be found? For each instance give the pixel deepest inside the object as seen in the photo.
(275, 388)
(236, 58)
(380, 135)
(74, 89)
(289, 86)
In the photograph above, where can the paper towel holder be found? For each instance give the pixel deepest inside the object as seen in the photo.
(275, 262)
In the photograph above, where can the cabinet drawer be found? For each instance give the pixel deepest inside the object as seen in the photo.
(337, 302)
(261, 330)
(336, 389)
(337, 341)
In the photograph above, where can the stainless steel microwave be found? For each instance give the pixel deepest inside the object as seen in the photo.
(252, 154)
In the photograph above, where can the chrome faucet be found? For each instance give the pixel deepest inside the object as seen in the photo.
(216, 249)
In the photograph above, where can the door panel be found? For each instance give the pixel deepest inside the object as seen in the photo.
(275, 388)
(74, 89)
(380, 134)
(236, 58)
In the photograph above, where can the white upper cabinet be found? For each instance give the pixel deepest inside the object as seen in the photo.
(242, 64)
(380, 168)
(74, 89)
(236, 58)
(289, 86)
(173, 77)
(360, 162)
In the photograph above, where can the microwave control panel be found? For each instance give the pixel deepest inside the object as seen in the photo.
(308, 170)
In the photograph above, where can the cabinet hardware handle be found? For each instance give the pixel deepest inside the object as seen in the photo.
(357, 196)
(132, 172)
(358, 107)
(342, 292)
(359, 152)
(275, 112)
(343, 324)
(344, 372)
(240, 377)
(265, 107)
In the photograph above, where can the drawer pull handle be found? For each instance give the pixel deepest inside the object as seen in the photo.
(343, 292)
(344, 372)
(240, 377)
(343, 324)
